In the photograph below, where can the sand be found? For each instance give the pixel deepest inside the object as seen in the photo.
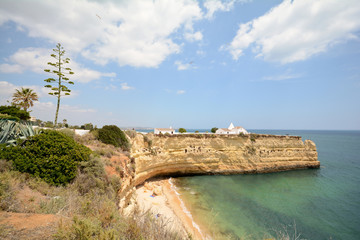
(161, 199)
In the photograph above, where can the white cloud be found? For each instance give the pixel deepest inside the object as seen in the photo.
(46, 110)
(74, 114)
(191, 37)
(6, 91)
(189, 33)
(36, 59)
(285, 76)
(213, 6)
(111, 87)
(184, 66)
(296, 30)
(10, 68)
(136, 33)
(125, 86)
(179, 92)
(48, 106)
(112, 74)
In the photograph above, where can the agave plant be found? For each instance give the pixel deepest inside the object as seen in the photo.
(11, 131)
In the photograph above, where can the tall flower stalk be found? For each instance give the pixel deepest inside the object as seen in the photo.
(58, 86)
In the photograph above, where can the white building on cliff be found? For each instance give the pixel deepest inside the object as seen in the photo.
(164, 130)
(231, 130)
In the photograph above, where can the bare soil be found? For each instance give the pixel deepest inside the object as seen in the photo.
(27, 226)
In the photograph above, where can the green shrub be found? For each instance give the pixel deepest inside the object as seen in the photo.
(87, 126)
(50, 155)
(49, 124)
(148, 141)
(5, 165)
(111, 134)
(214, 129)
(15, 112)
(6, 195)
(131, 133)
(250, 150)
(68, 132)
(253, 137)
(95, 133)
(106, 152)
(8, 117)
(182, 130)
(242, 134)
(86, 139)
(92, 178)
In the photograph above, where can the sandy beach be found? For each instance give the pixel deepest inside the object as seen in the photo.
(160, 198)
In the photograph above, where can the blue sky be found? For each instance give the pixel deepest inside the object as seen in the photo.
(193, 64)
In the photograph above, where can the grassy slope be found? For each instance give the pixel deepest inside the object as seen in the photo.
(85, 209)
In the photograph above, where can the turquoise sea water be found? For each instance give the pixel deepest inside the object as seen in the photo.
(319, 203)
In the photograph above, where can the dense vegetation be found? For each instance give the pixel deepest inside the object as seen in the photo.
(51, 155)
(111, 134)
(14, 112)
(88, 204)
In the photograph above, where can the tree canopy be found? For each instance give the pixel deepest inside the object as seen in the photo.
(24, 98)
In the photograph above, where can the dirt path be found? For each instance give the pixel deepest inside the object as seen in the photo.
(27, 225)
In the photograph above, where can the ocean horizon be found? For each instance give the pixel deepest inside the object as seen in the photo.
(260, 131)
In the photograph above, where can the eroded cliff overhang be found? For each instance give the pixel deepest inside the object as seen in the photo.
(177, 155)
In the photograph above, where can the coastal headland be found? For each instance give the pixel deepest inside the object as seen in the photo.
(190, 154)
(204, 154)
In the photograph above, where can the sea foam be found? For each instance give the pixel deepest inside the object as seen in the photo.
(184, 209)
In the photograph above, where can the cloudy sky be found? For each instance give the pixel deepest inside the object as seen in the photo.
(196, 64)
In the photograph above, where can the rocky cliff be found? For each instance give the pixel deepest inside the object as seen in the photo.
(214, 154)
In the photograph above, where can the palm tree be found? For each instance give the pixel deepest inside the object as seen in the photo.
(24, 98)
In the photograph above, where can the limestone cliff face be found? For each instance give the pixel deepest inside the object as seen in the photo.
(213, 154)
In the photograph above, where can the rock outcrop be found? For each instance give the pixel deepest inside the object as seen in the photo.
(214, 154)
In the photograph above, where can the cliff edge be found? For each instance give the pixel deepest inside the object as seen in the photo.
(176, 155)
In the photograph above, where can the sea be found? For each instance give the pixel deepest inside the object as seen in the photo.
(303, 204)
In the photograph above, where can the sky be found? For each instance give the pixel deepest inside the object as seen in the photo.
(193, 64)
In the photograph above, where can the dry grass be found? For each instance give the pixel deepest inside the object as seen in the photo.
(88, 206)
